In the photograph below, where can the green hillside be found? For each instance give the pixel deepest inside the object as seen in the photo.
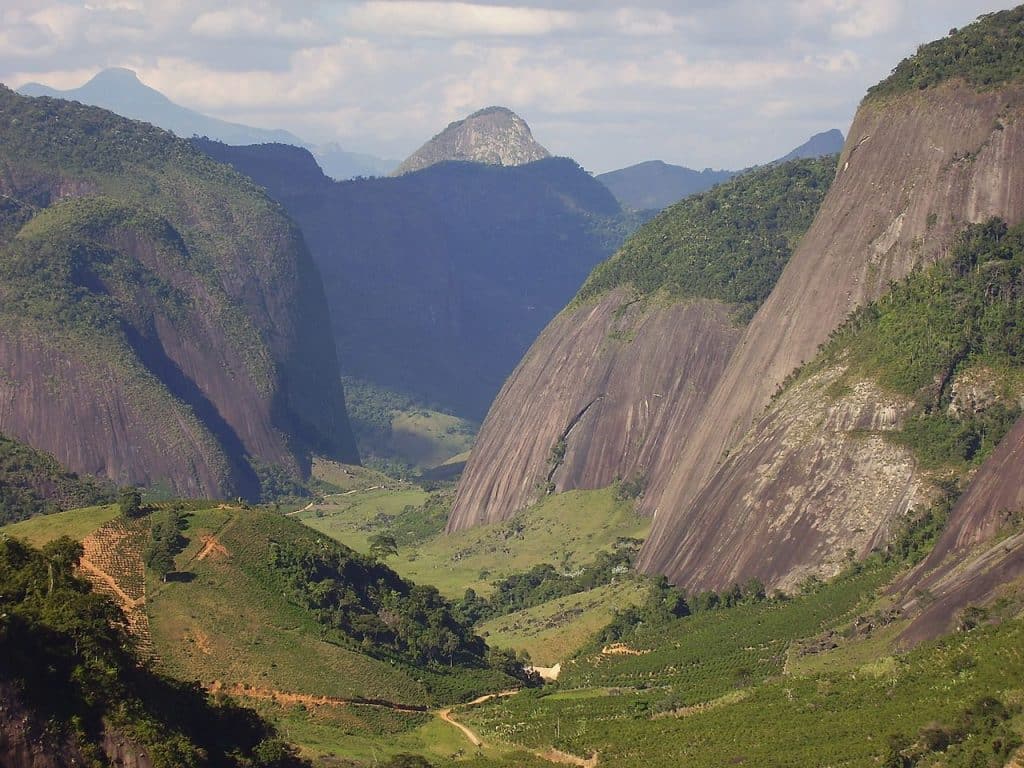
(566, 530)
(74, 523)
(318, 618)
(33, 483)
(985, 54)
(166, 299)
(68, 673)
(729, 243)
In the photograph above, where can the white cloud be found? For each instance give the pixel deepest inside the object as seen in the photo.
(246, 23)
(708, 82)
(456, 19)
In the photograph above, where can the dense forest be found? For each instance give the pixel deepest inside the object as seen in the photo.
(729, 243)
(33, 483)
(986, 53)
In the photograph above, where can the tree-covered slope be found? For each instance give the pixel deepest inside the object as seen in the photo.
(729, 243)
(168, 302)
(985, 54)
(32, 483)
(73, 692)
(439, 280)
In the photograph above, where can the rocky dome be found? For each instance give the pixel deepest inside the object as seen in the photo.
(494, 136)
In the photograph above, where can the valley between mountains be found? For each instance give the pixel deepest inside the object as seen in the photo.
(484, 465)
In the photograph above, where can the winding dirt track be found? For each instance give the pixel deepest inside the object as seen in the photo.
(552, 755)
(446, 715)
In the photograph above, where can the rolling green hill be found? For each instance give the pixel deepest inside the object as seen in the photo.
(74, 694)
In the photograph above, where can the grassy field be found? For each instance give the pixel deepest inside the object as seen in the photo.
(371, 736)
(76, 523)
(713, 691)
(556, 630)
(425, 438)
(352, 518)
(350, 477)
(226, 623)
(566, 529)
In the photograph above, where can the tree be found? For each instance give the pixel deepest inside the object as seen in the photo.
(160, 559)
(383, 546)
(130, 502)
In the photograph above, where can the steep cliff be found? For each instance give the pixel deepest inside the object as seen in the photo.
(173, 308)
(980, 553)
(494, 135)
(590, 400)
(438, 281)
(615, 381)
(908, 396)
(917, 165)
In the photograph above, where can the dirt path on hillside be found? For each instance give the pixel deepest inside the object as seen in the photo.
(307, 699)
(552, 755)
(113, 589)
(212, 546)
(446, 715)
(112, 561)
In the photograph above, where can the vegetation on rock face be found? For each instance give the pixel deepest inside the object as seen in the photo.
(729, 243)
(177, 288)
(68, 660)
(951, 338)
(987, 53)
(33, 482)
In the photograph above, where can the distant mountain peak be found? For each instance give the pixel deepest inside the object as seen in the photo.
(493, 135)
(120, 90)
(825, 143)
(121, 75)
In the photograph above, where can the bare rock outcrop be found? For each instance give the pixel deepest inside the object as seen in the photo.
(980, 550)
(916, 168)
(494, 135)
(813, 483)
(605, 392)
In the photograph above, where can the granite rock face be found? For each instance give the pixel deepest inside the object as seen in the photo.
(493, 136)
(614, 383)
(916, 168)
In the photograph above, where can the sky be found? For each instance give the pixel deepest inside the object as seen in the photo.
(704, 83)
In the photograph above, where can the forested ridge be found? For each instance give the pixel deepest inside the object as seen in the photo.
(729, 243)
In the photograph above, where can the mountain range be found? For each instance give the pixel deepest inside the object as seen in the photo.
(120, 90)
(776, 445)
(439, 279)
(751, 493)
(655, 184)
